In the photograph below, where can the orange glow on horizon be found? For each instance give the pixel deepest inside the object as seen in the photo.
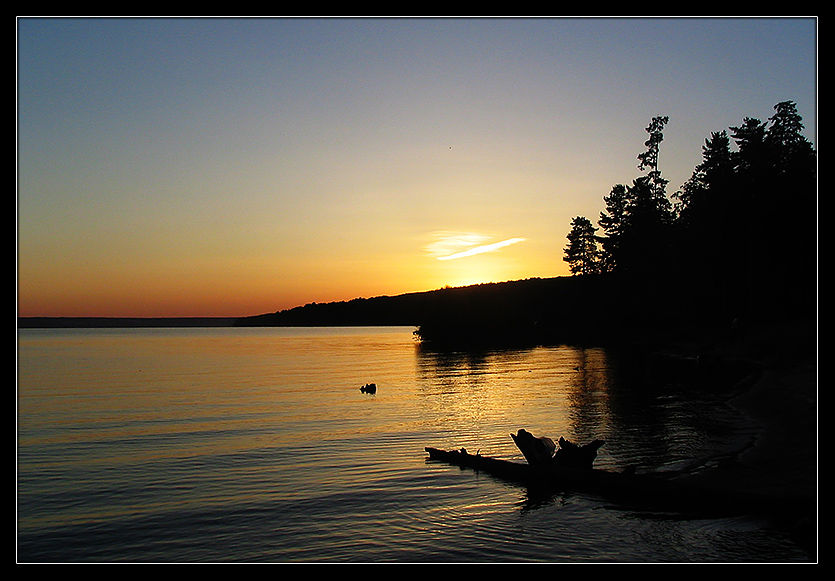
(305, 174)
(241, 286)
(247, 293)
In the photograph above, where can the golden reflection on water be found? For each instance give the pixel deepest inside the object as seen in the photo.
(139, 387)
(551, 391)
(265, 390)
(264, 436)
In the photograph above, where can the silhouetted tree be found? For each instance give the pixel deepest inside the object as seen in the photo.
(733, 212)
(786, 213)
(613, 223)
(650, 196)
(792, 152)
(637, 216)
(582, 254)
(643, 241)
(741, 238)
(643, 244)
(697, 195)
(649, 158)
(707, 202)
(710, 239)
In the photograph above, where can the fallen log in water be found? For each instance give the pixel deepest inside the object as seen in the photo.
(543, 451)
(628, 488)
(635, 491)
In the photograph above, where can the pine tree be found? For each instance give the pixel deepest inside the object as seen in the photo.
(649, 158)
(613, 222)
(710, 179)
(581, 254)
(791, 151)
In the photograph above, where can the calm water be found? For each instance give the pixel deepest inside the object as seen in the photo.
(256, 445)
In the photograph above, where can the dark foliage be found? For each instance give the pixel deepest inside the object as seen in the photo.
(741, 240)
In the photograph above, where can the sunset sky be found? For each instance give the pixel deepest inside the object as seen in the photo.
(229, 167)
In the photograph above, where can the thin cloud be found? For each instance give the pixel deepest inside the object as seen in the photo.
(482, 249)
(454, 245)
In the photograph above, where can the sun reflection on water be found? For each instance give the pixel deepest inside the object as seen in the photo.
(555, 391)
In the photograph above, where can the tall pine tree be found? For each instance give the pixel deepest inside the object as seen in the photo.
(581, 254)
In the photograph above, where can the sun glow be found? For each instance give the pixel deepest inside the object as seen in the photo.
(467, 258)
(451, 246)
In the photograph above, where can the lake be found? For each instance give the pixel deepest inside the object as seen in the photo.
(192, 445)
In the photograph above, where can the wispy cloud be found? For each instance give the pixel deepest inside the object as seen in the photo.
(451, 246)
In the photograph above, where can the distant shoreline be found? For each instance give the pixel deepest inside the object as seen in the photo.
(117, 322)
(407, 309)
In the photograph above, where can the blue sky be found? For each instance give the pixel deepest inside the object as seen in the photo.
(176, 167)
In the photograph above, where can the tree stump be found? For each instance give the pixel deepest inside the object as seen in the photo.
(542, 452)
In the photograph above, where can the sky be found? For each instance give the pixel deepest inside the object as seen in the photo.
(231, 167)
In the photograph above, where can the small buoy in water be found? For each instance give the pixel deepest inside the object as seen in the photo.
(369, 388)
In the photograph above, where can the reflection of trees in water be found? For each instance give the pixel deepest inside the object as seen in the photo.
(458, 368)
(588, 394)
(661, 423)
(477, 397)
(552, 391)
(442, 364)
(603, 402)
(638, 434)
(645, 423)
(579, 393)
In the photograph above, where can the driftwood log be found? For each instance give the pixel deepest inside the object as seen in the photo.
(543, 452)
(569, 468)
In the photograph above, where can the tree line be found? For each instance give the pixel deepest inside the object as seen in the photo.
(739, 236)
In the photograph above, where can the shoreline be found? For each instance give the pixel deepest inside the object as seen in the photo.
(779, 460)
(121, 322)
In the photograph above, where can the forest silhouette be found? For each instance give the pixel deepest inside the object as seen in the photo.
(735, 245)
(740, 236)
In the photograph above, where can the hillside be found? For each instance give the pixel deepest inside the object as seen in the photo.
(526, 311)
